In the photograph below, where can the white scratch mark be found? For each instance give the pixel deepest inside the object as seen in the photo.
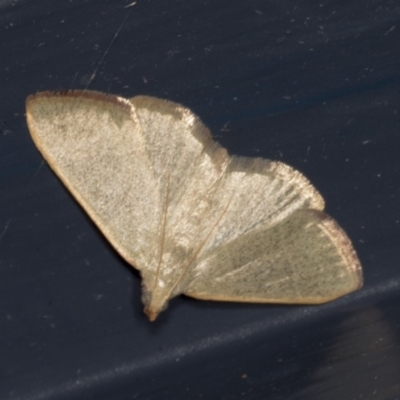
(225, 127)
(91, 79)
(5, 228)
(40, 167)
(131, 4)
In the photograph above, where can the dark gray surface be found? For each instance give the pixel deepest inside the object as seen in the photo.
(314, 84)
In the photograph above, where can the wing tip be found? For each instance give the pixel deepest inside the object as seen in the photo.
(344, 245)
(167, 107)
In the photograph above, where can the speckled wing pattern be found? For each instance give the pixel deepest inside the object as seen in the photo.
(188, 216)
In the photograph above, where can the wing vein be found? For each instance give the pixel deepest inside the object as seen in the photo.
(163, 230)
(200, 247)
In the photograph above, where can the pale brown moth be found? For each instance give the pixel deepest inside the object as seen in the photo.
(188, 216)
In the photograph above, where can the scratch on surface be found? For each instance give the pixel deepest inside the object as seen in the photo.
(131, 4)
(5, 228)
(73, 80)
(225, 127)
(40, 167)
(91, 79)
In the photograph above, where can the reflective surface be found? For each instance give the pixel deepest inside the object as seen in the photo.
(315, 86)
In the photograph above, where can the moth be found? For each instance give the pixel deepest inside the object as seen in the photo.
(191, 218)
